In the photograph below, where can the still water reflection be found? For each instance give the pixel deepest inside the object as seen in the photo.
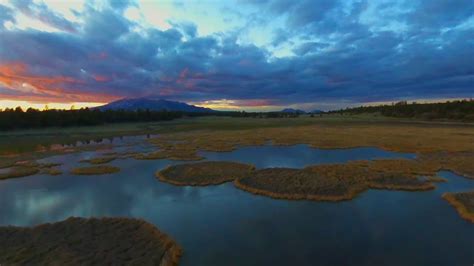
(221, 225)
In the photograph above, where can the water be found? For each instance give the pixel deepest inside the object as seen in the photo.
(221, 225)
(299, 156)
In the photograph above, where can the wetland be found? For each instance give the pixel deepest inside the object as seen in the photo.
(332, 192)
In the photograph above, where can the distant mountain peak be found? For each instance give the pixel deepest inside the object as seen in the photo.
(153, 104)
(293, 111)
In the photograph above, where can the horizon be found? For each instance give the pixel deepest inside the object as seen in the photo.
(77, 106)
(235, 55)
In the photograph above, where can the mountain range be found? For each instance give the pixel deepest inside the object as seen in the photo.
(144, 103)
(133, 104)
(293, 111)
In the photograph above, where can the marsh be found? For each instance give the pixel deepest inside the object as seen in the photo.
(217, 224)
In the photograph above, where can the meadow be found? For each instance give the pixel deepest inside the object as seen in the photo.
(18, 141)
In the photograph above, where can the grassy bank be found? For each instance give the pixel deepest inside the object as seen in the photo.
(226, 133)
(94, 241)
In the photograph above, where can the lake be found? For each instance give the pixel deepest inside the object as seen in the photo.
(222, 225)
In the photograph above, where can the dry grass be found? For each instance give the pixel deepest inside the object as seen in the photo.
(295, 184)
(28, 168)
(158, 155)
(95, 170)
(204, 173)
(329, 182)
(463, 202)
(450, 148)
(19, 171)
(403, 138)
(6, 163)
(52, 171)
(79, 241)
(461, 163)
(28, 159)
(100, 160)
(36, 164)
(178, 155)
(436, 179)
(333, 182)
(111, 156)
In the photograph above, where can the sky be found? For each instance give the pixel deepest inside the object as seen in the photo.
(235, 55)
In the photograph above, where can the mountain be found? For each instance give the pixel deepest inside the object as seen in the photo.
(317, 111)
(132, 104)
(293, 111)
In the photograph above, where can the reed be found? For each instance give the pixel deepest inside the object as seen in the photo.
(93, 241)
(95, 170)
(204, 173)
(463, 202)
(19, 171)
(101, 160)
(450, 148)
(178, 155)
(333, 182)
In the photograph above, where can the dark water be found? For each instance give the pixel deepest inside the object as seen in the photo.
(299, 156)
(12, 145)
(221, 225)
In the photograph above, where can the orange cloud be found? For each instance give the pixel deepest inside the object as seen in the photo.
(15, 77)
(100, 78)
(226, 104)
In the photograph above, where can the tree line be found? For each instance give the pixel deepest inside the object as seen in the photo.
(32, 118)
(462, 110)
(12, 119)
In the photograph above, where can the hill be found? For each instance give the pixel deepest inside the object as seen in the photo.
(133, 104)
(293, 111)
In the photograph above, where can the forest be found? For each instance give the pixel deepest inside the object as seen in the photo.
(462, 110)
(32, 118)
(12, 119)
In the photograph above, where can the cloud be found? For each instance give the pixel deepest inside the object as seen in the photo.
(6, 14)
(42, 13)
(310, 47)
(342, 51)
(187, 28)
(105, 25)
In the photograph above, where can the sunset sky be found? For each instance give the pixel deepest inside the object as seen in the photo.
(243, 54)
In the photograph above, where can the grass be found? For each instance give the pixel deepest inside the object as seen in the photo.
(448, 145)
(111, 156)
(14, 142)
(19, 171)
(26, 164)
(463, 202)
(204, 173)
(28, 168)
(171, 154)
(80, 241)
(6, 163)
(394, 138)
(52, 171)
(450, 148)
(327, 182)
(100, 160)
(296, 184)
(461, 163)
(95, 170)
(331, 182)
(436, 179)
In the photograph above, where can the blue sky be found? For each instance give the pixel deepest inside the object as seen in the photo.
(243, 54)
